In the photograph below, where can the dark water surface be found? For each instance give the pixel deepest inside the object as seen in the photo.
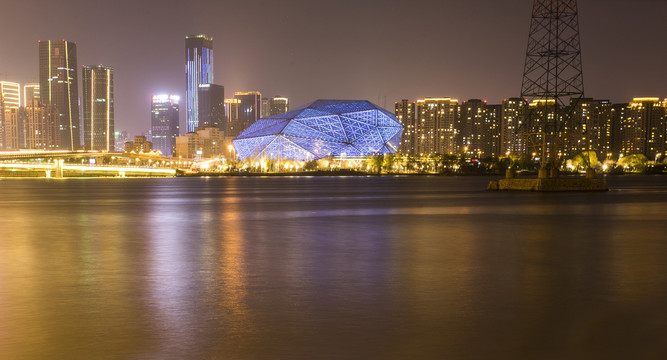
(330, 268)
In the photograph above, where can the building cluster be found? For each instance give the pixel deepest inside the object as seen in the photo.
(212, 120)
(54, 115)
(481, 130)
(45, 115)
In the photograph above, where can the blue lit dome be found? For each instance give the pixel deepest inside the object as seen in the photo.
(322, 128)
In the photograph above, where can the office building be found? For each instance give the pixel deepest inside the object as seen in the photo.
(58, 86)
(278, 105)
(198, 71)
(211, 106)
(164, 122)
(98, 107)
(266, 108)
(250, 106)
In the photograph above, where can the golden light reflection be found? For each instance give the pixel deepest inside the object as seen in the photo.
(232, 267)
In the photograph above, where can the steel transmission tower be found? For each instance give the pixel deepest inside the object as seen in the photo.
(553, 81)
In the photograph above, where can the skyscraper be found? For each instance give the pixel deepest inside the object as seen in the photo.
(250, 106)
(98, 107)
(198, 70)
(58, 84)
(211, 106)
(164, 122)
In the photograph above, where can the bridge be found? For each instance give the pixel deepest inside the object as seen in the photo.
(158, 165)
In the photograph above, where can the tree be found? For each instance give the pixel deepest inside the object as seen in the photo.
(634, 162)
(585, 160)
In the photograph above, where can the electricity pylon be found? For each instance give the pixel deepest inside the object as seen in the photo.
(553, 82)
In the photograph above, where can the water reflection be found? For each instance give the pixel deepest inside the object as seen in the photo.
(390, 268)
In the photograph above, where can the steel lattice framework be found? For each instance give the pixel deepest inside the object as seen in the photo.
(322, 128)
(553, 79)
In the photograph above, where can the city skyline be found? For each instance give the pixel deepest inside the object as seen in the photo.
(384, 52)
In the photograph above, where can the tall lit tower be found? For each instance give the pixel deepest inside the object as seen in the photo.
(58, 84)
(198, 70)
(553, 78)
(97, 101)
(164, 122)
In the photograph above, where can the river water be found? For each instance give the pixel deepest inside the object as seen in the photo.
(330, 268)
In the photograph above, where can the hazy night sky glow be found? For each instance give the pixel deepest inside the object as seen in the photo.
(380, 51)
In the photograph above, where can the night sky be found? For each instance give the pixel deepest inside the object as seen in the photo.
(381, 51)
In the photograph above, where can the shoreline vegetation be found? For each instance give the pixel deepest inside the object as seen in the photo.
(524, 166)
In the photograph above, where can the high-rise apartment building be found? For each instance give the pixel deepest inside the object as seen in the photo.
(435, 126)
(492, 130)
(98, 107)
(164, 122)
(58, 86)
(643, 129)
(278, 105)
(198, 70)
(471, 127)
(40, 125)
(211, 106)
(511, 120)
(250, 106)
(405, 113)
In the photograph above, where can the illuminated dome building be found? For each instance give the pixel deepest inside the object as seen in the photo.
(322, 128)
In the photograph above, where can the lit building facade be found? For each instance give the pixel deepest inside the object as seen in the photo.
(278, 105)
(139, 145)
(204, 143)
(40, 124)
(10, 124)
(58, 84)
(405, 114)
(30, 94)
(211, 106)
(198, 70)
(250, 106)
(322, 128)
(643, 129)
(511, 120)
(11, 94)
(435, 129)
(98, 107)
(266, 108)
(164, 122)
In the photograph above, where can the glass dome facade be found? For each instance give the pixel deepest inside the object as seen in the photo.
(322, 128)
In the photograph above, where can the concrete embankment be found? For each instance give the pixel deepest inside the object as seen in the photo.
(549, 185)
